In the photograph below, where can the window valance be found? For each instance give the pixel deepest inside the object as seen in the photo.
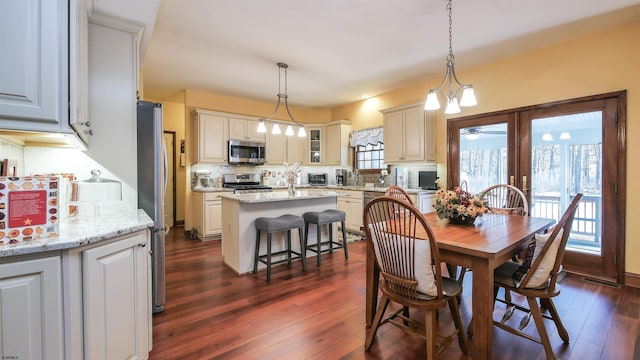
(364, 137)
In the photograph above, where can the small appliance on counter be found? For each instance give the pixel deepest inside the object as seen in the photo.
(203, 179)
(318, 179)
(244, 183)
(341, 177)
(427, 180)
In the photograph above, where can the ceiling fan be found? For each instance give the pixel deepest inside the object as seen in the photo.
(473, 133)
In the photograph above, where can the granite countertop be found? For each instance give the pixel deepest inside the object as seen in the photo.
(332, 187)
(261, 197)
(78, 231)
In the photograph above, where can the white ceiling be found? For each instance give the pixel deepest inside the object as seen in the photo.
(340, 50)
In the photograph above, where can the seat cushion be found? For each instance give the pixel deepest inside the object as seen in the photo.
(324, 217)
(280, 223)
(542, 272)
(422, 268)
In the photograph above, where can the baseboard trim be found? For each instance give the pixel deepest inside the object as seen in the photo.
(632, 280)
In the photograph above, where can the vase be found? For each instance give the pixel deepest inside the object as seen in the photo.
(462, 220)
(291, 189)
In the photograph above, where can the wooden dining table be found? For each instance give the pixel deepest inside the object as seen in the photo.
(482, 246)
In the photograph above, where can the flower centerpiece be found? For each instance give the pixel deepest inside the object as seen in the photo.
(458, 205)
(291, 174)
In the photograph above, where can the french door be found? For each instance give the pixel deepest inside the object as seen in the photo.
(552, 152)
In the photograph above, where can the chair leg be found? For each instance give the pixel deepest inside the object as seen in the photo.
(455, 314)
(330, 235)
(429, 327)
(303, 250)
(318, 231)
(257, 252)
(288, 239)
(371, 332)
(268, 256)
(344, 241)
(542, 330)
(548, 304)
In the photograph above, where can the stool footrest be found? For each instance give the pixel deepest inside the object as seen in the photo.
(262, 258)
(314, 247)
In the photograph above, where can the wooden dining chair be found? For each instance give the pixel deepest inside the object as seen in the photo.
(506, 199)
(502, 199)
(397, 192)
(408, 275)
(536, 279)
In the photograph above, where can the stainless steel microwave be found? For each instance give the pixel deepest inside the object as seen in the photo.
(246, 152)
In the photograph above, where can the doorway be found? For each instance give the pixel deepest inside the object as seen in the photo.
(552, 152)
(170, 193)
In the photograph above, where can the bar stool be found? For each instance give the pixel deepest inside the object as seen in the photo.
(270, 225)
(327, 217)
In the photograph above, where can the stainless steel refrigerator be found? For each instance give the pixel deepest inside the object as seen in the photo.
(151, 190)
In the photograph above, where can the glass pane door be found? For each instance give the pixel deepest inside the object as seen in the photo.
(483, 156)
(566, 159)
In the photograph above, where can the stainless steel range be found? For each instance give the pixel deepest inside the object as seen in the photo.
(244, 183)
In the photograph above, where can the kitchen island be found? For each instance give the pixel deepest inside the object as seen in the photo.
(239, 212)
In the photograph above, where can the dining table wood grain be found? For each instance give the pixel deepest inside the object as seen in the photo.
(481, 246)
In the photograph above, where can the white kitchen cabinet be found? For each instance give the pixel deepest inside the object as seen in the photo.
(425, 202)
(337, 143)
(289, 149)
(34, 66)
(409, 134)
(351, 202)
(244, 129)
(116, 298)
(208, 214)
(210, 138)
(315, 145)
(276, 149)
(79, 70)
(296, 149)
(31, 308)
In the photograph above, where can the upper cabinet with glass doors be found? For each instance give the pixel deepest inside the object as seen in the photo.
(316, 145)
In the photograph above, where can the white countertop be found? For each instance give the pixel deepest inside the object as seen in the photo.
(78, 231)
(260, 197)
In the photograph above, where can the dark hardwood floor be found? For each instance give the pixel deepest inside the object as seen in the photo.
(213, 314)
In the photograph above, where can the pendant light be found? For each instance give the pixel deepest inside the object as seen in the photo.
(281, 95)
(468, 95)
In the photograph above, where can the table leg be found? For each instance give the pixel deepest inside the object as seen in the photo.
(482, 298)
(372, 279)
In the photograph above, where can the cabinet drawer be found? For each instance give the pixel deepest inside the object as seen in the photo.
(212, 196)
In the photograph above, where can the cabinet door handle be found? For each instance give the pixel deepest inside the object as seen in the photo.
(143, 244)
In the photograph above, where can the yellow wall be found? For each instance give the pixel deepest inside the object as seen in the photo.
(599, 63)
(217, 102)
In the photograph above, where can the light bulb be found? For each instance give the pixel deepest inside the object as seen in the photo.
(468, 97)
(302, 132)
(452, 107)
(275, 129)
(262, 128)
(432, 102)
(289, 131)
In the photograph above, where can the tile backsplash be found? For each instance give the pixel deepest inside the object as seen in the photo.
(412, 171)
(12, 151)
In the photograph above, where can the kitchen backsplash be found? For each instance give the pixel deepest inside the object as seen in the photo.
(411, 169)
(12, 151)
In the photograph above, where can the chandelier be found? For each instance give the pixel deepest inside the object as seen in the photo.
(281, 95)
(468, 96)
